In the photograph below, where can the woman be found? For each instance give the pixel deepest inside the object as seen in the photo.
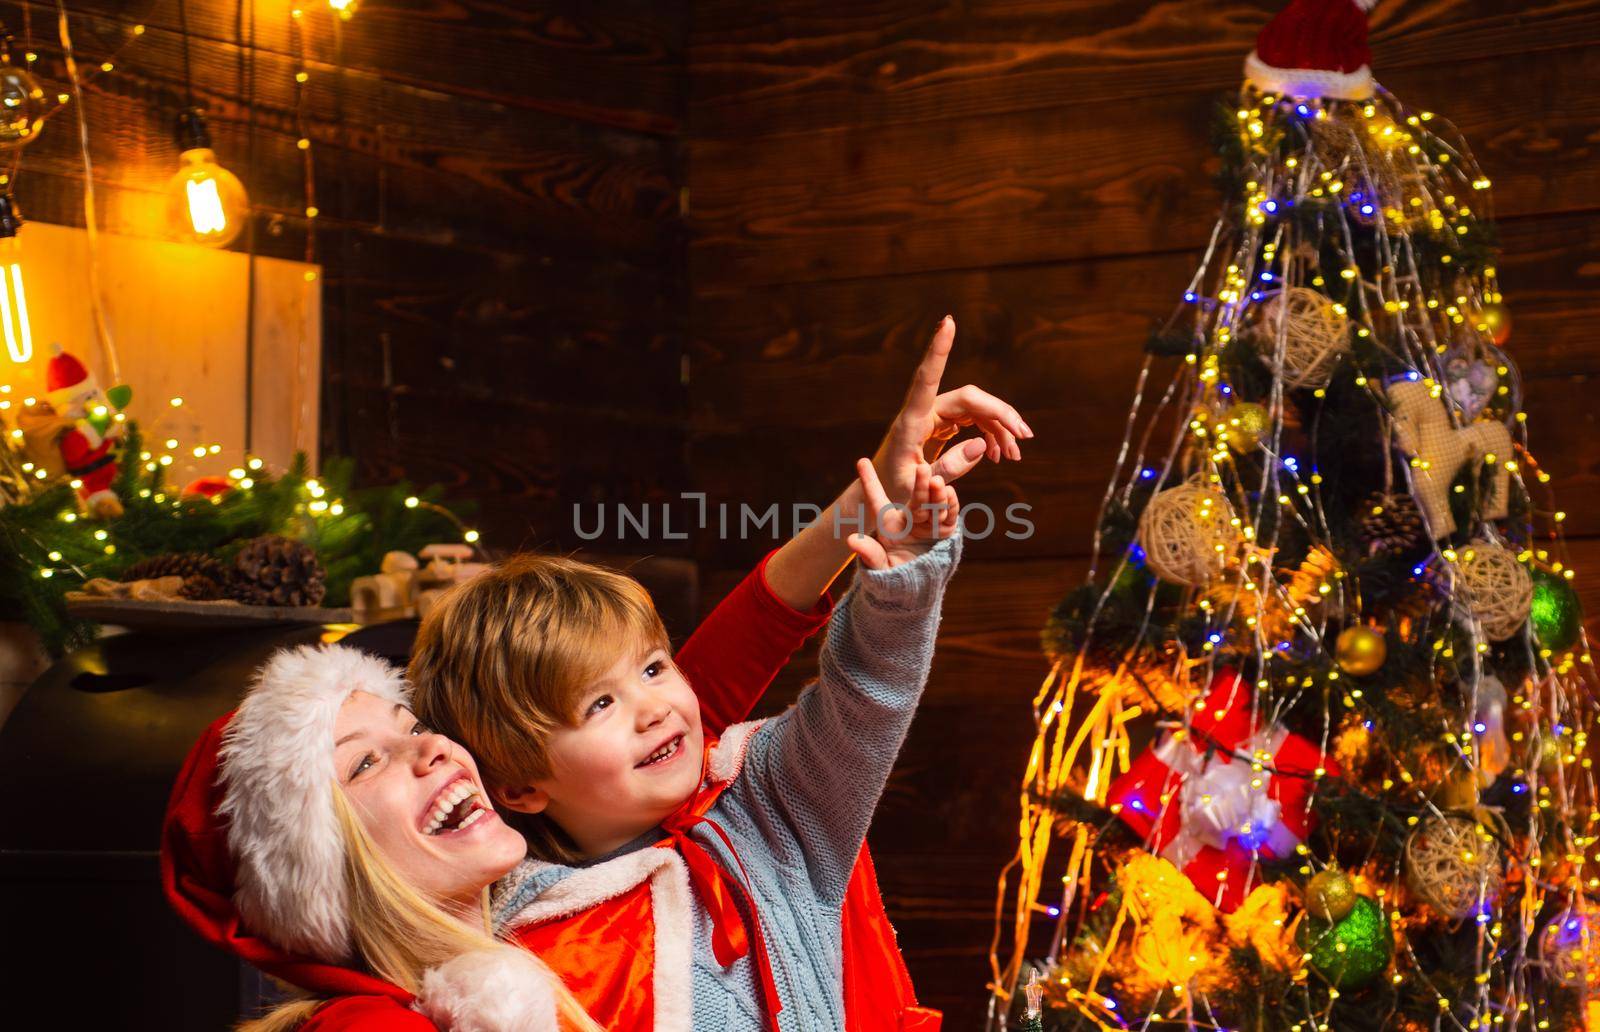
(324, 836)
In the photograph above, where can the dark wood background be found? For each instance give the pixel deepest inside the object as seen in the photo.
(617, 250)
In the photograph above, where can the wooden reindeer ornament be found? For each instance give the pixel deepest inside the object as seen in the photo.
(1423, 430)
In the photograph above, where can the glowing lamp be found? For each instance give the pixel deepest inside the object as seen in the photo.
(206, 204)
(13, 297)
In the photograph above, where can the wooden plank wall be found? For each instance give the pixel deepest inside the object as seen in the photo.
(498, 188)
(1040, 168)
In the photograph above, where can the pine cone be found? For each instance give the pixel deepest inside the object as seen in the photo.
(1392, 524)
(176, 564)
(241, 590)
(202, 587)
(278, 571)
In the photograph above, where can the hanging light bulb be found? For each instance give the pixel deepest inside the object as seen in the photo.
(13, 298)
(343, 8)
(206, 203)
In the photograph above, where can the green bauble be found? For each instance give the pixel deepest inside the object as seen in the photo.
(1351, 952)
(1556, 616)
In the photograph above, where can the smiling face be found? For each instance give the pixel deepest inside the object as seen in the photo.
(630, 758)
(419, 797)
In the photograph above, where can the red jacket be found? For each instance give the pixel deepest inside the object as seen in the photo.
(730, 668)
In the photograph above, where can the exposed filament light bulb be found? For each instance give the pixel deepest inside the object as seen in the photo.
(13, 296)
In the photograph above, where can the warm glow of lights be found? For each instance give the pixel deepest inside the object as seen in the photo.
(14, 313)
(205, 207)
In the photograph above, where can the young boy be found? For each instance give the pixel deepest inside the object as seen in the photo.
(737, 923)
(508, 667)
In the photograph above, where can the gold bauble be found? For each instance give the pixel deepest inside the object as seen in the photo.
(1331, 895)
(1495, 319)
(1243, 425)
(1360, 651)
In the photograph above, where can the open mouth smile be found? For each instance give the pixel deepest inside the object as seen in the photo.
(457, 807)
(668, 751)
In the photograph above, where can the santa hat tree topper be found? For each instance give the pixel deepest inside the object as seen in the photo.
(1315, 48)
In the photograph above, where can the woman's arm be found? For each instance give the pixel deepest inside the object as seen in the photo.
(736, 651)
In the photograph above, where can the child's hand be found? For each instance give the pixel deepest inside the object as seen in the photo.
(901, 537)
(927, 420)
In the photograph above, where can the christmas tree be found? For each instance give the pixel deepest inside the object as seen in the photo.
(1310, 755)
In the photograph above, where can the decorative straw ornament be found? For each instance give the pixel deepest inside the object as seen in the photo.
(1495, 588)
(1314, 336)
(1187, 533)
(1454, 866)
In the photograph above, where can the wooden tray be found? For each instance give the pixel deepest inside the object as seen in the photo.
(174, 616)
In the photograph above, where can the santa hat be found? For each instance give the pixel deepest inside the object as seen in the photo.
(65, 378)
(252, 856)
(1315, 48)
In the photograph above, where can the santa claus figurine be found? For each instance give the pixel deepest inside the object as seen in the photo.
(87, 445)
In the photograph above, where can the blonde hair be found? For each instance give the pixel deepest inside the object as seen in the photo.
(400, 932)
(504, 659)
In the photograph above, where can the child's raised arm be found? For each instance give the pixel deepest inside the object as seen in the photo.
(801, 571)
(813, 775)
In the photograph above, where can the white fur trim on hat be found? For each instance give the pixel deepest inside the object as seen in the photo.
(504, 989)
(277, 773)
(1309, 82)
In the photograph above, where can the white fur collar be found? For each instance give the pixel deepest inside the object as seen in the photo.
(670, 895)
(727, 757)
(670, 902)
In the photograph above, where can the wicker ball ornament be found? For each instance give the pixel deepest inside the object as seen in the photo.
(1570, 948)
(1495, 587)
(1187, 534)
(1313, 334)
(1453, 867)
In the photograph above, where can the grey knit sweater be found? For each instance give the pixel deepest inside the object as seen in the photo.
(798, 812)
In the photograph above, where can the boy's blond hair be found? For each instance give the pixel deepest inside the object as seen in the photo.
(504, 659)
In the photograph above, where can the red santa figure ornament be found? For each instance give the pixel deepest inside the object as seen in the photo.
(1314, 48)
(1218, 796)
(86, 450)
